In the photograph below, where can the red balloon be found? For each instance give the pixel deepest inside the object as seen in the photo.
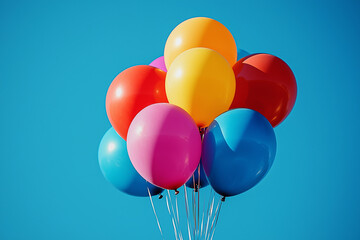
(132, 90)
(266, 84)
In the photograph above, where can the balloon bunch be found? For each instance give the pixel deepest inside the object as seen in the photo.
(196, 111)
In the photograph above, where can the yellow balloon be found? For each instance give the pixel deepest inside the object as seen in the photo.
(200, 32)
(202, 82)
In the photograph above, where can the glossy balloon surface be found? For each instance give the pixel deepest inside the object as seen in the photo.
(200, 32)
(117, 169)
(132, 90)
(201, 82)
(265, 83)
(238, 150)
(164, 145)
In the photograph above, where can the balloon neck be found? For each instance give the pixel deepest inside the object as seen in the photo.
(202, 130)
(176, 192)
(160, 196)
(223, 199)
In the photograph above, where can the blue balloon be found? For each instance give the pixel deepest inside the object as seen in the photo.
(238, 150)
(117, 168)
(195, 178)
(242, 53)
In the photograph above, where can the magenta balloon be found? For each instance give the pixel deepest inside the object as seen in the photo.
(159, 63)
(164, 145)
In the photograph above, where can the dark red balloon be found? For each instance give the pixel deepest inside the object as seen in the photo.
(132, 90)
(266, 84)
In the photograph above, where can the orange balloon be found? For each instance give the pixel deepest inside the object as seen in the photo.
(200, 32)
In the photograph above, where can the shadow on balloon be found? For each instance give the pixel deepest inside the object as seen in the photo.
(198, 179)
(256, 93)
(164, 145)
(242, 165)
(117, 168)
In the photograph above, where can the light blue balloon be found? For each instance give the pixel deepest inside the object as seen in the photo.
(238, 150)
(117, 168)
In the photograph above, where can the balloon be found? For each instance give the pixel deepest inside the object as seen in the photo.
(202, 82)
(195, 178)
(131, 91)
(200, 32)
(159, 63)
(164, 145)
(238, 150)
(242, 53)
(117, 168)
(265, 83)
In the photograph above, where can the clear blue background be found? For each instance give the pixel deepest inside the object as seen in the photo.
(57, 59)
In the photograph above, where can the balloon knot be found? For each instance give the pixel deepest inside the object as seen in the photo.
(176, 192)
(160, 196)
(223, 199)
(202, 130)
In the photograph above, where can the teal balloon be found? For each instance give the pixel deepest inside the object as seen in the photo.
(117, 168)
(195, 178)
(239, 148)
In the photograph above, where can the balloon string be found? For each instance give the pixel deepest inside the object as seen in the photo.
(218, 207)
(217, 218)
(178, 218)
(198, 213)
(194, 212)
(202, 221)
(193, 207)
(187, 211)
(172, 218)
(157, 220)
(209, 215)
(203, 215)
(198, 192)
(177, 209)
(173, 211)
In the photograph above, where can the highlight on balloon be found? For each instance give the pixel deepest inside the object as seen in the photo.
(198, 121)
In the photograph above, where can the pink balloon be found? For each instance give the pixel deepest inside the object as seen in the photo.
(159, 63)
(164, 145)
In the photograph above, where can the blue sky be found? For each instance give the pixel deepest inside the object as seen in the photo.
(57, 60)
